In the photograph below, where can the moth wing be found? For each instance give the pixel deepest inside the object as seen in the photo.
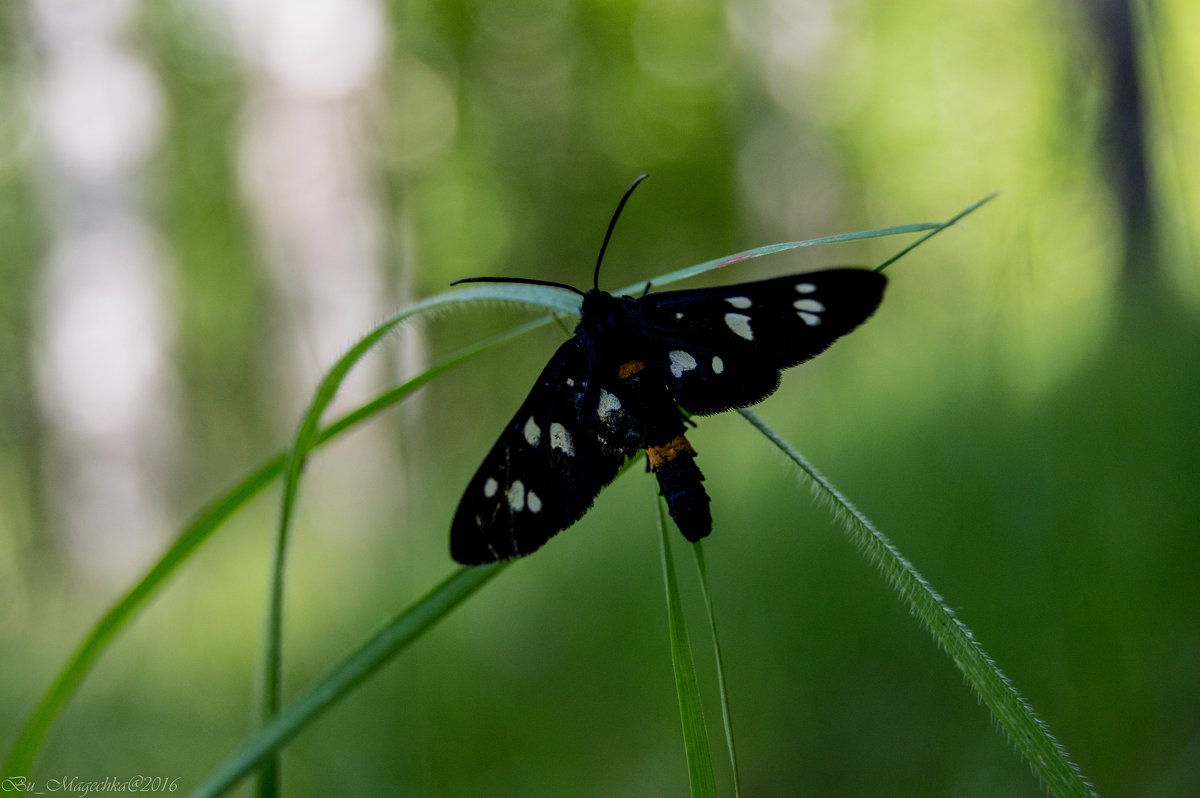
(546, 468)
(720, 348)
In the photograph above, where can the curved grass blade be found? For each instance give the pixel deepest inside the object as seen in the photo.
(304, 441)
(21, 756)
(1027, 731)
(24, 749)
(691, 711)
(726, 713)
(381, 647)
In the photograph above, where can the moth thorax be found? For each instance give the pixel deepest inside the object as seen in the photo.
(608, 316)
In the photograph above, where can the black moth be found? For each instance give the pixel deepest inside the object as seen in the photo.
(617, 385)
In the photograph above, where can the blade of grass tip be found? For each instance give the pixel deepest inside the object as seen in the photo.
(771, 249)
(726, 713)
(691, 711)
(937, 229)
(303, 442)
(24, 750)
(393, 638)
(1045, 755)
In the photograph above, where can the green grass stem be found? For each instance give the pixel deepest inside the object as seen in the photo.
(722, 684)
(691, 710)
(1032, 738)
(378, 649)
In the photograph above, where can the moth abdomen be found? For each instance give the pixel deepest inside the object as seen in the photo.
(681, 485)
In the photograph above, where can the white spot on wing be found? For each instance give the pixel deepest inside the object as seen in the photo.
(607, 405)
(739, 302)
(740, 324)
(680, 362)
(805, 288)
(718, 365)
(808, 304)
(533, 502)
(533, 433)
(561, 439)
(678, 316)
(811, 319)
(516, 496)
(490, 487)
(570, 381)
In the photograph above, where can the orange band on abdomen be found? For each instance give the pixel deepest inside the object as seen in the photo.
(669, 451)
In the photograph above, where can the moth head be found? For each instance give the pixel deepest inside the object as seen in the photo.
(605, 314)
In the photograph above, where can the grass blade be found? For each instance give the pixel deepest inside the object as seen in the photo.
(21, 756)
(1032, 738)
(381, 647)
(305, 439)
(691, 710)
(726, 713)
(937, 229)
(24, 750)
(771, 249)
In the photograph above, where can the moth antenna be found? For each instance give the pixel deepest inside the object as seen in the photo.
(611, 225)
(599, 259)
(520, 280)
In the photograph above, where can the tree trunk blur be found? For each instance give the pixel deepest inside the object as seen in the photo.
(1124, 143)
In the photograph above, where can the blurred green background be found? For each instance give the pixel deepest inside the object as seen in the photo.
(203, 202)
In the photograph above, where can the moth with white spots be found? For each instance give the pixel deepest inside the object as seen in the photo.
(617, 387)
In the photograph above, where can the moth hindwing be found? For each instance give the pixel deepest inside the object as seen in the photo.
(617, 386)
